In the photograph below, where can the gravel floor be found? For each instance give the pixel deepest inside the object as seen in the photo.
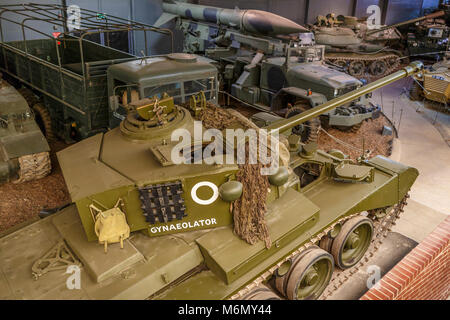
(20, 202)
(370, 133)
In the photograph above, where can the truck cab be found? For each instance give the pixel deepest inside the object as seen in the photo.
(179, 75)
(299, 72)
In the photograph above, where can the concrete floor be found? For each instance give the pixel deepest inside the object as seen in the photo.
(393, 249)
(423, 146)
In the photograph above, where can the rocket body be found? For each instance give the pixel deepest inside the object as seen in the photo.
(250, 21)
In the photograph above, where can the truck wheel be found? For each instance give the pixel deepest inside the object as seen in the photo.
(28, 96)
(353, 128)
(309, 130)
(44, 121)
(352, 242)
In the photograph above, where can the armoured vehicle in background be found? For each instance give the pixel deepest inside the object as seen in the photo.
(429, 38)
(267, 68)
(64, 74)
(434, 84)
(361, 51)
(24, 151)
(128, 180)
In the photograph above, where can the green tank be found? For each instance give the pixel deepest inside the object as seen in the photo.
(144, 227)
(24, 151)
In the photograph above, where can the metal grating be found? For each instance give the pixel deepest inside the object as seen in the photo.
(162, 202)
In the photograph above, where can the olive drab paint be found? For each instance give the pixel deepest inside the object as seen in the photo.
(20, 139)
(215, 264)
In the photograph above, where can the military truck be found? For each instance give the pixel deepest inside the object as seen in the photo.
(267, 69)
(24, 152)
(65, 73)
(144, 225)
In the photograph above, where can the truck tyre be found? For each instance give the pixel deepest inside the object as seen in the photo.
(43, 120)
(28, 96)
(308, 131)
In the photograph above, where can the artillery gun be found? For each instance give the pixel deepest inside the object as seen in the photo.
(23, 148)
(270, 71)
(127, 180)
(361, 51)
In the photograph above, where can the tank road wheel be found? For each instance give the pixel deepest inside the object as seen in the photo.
(393, 63)
(341, 63)
(356, 68)
(352, 242)
(44, 121)
(378, 68)
(310, 275)
(261, 293)
(327, 241)
(308, 131)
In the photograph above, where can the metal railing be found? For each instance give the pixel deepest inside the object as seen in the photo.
(56, 16)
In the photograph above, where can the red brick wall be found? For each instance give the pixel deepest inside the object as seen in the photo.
(424, 274)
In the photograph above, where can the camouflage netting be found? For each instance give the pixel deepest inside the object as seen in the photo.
(34, 166)
(248, 211)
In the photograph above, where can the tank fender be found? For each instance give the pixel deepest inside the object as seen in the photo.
(406, 175)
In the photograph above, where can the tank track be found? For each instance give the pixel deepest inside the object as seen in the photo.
(346, 59)
(382, 226)
(34, 166)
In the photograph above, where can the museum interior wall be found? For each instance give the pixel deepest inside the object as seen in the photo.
(301, 11)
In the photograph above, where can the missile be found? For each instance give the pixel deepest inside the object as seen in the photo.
(250, 21)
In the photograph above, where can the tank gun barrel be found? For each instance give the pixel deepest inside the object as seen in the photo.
(251, 21)
(286, 124)
(433, 15)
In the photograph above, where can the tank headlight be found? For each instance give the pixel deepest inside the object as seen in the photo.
(336, 92)
(230, 191)
(279, 178)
